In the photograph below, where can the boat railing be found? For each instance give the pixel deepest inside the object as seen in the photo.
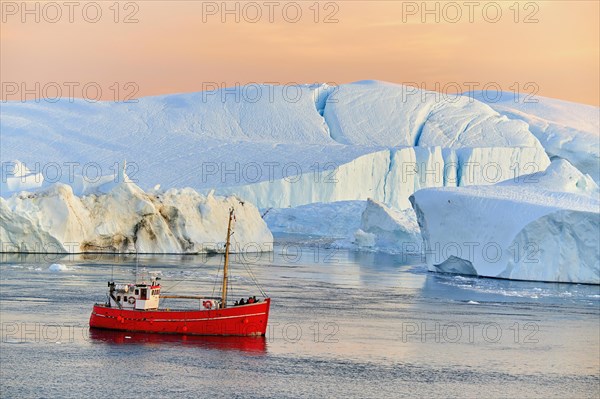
(214, 298)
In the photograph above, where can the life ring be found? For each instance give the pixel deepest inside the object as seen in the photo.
(131, 300)
(207, 304)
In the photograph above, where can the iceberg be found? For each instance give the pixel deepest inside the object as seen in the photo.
(392, 115)
(358, 151)
(360, 225)
(332, 220)
(543, 227)
(57, 267)
(16, 177)
(391, 176)
(388, 230)
(275, 149)
(567, 130)
(123, 218)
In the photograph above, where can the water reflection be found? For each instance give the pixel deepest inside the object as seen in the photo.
(257, 345)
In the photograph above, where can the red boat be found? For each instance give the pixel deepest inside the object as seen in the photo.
(135, 307)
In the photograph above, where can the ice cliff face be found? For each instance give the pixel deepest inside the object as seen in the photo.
(391, 176)
(331, 220)
(123, 218)
(364, 225)
(431, 142)
(277, 145)
(541, 227)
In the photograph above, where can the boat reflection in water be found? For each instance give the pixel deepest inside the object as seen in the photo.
(257, 344)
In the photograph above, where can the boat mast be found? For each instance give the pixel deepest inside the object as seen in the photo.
(226, 262)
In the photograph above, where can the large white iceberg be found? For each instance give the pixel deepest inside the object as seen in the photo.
(272, 146)
(277, 146)
(542, 227)
(121, 217)
(565, 129)
(428, 141)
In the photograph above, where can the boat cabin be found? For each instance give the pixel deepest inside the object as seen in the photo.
(144, 296)
(134, 296)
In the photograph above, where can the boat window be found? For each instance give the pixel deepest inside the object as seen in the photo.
(118, 298)
(144, 294)
(137, 292)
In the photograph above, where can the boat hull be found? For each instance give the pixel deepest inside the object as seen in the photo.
(246, 320)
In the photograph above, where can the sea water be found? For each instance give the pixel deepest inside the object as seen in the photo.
(342, 324)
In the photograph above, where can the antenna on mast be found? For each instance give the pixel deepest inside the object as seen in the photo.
(137, 261)
(226, 262)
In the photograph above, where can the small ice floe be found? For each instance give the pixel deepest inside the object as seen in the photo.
(462, 278)
(473, 303)
(57, 267)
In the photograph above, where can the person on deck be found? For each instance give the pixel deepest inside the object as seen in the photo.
(250, 300)
(242, 301)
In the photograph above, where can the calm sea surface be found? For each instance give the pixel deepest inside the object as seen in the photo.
(342, 324)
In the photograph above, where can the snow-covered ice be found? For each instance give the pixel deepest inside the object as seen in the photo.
(369, 225)
(313, 155)
(543, 227)
(390, 176)
(392, 115)
(560, 176)
(334, 219)
(16, 177)
(57, 267)
(121, 217)
(276, 146)
(565, 129)
(387, 229)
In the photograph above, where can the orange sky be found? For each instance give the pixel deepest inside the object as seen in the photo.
(183, 47)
